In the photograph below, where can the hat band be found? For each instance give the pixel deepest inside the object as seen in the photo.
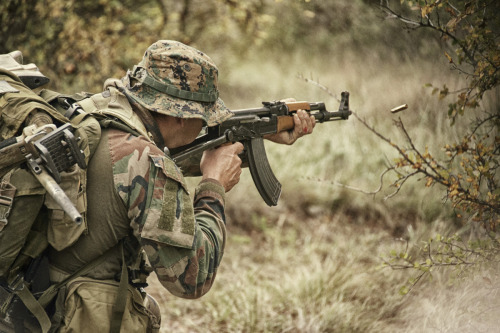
(172, 90)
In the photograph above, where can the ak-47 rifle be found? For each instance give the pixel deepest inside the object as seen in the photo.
(249, 126)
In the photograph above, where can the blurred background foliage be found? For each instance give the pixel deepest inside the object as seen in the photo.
(79, 44)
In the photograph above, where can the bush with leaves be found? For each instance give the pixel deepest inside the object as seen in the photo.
(79, 44)
(469, 170)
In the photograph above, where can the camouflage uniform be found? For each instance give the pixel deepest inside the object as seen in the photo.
(134, 189)
(133, 186)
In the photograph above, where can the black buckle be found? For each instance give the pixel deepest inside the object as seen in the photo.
(73, 110)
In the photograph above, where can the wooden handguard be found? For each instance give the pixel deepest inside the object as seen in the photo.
(286, 122)
(294, 106)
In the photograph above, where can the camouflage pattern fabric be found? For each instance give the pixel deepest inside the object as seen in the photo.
(134, 187)
(184, 243)
(179, 81)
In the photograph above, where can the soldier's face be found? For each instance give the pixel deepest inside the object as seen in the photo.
(191, 129)
(178, 132)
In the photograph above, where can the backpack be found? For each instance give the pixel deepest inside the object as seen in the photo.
(31, 218)
(40, 153)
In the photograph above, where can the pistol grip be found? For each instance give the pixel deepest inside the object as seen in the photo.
(263, 177)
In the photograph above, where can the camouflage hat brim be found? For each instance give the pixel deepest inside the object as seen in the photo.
(211, 113)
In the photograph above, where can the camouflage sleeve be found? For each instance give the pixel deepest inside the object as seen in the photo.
(184, 241)
(190, 272)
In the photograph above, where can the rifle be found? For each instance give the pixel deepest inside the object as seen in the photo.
(249, 126)
(48, 151)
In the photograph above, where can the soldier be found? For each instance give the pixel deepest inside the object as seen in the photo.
(137, 196)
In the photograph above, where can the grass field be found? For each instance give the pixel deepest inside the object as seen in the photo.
(313, 263)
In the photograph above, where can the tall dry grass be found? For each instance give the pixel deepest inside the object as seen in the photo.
(342, 157)
(313, 263)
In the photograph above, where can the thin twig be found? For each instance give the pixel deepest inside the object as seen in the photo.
(319, 85)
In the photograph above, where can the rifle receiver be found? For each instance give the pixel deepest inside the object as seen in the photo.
(250, 126)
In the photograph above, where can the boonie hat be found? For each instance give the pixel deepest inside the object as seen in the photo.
(177, 80)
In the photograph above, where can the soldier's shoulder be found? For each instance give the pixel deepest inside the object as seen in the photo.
(169, 168)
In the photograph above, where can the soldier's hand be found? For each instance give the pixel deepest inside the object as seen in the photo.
(223, 164)
(303, 125)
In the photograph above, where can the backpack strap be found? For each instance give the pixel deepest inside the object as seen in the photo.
(51, 292)
(37, 307)
(113, 109)
(61, 102)
(21, 290)
(121, 298)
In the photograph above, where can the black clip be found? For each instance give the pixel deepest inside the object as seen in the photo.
(72, 110)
